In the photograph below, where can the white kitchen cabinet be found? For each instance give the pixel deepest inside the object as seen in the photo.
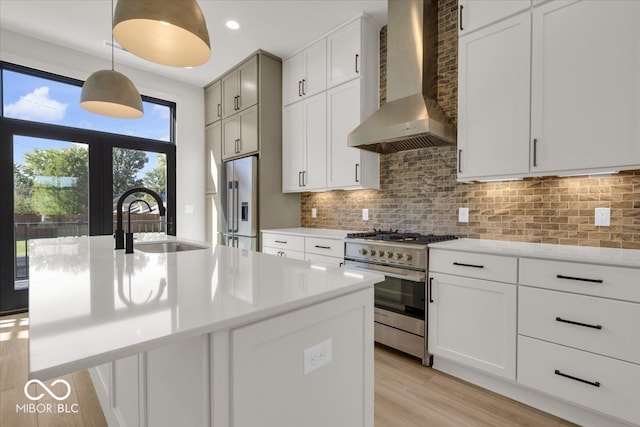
(240, 134)
(304, 74)
(348, 167)
(493, 99)
(213, 156)
(304, 145)
(474, 14)
(240, 87)
(585, 86)
(283, 252)
(325, 251)
(344, 54)
(473, 322)
(213, 102)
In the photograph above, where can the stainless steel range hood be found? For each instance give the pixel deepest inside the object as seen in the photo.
(411, 117)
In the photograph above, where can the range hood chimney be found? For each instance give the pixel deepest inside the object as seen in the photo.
(411, 117)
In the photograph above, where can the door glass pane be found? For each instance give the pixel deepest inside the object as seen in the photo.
(136, 168)
(51, 195)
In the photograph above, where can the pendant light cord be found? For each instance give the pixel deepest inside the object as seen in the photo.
(112, 35)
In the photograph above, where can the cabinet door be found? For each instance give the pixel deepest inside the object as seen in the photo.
(315, 135)
(292, 75)
(474, 14)
(230, 137)
(343, 116)
(248, 142)
(248, 83)
(585, 85)
(315, 68)
(473, 322)
(126, 396)
(213, 156)
(343, 54)
(292, 147)
(493, 99)
(213, 103)
(229, 93)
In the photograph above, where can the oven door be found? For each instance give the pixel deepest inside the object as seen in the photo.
(402, 291)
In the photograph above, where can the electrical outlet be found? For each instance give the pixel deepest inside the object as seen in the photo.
(314, 213)
(365, 214)
(603, 217)
(463, 214)
(317, 356)
(188, 209)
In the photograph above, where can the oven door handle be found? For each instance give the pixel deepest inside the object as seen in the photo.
(415, 277)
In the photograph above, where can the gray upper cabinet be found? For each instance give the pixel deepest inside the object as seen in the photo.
(240, 88)
(213, 102)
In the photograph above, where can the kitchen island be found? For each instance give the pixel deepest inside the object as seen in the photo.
(214, 336)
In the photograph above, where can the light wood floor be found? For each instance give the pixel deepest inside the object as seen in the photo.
(406, 393)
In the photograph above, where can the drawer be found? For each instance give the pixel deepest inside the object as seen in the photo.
(283, 252)
(590, 279)
(480, 266)
(599, 383)
(573, 320)
(324, 260)
(283, 241)
(320, 246)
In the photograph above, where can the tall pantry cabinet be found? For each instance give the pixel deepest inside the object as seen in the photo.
(330, 87)
(243, 117)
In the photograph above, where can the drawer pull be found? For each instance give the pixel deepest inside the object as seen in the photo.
(323, 247)
(593, 383)
(431, 290)
(581, 279)
(468, 265)
(281, 241)
(571, 322)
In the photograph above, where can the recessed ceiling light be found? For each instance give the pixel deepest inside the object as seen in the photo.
(232, 25)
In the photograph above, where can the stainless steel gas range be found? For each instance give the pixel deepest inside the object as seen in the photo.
(400, 308)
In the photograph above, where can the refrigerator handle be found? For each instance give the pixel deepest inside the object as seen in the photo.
(236, 208)
(230, 213)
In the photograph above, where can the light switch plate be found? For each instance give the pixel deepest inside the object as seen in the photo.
(603, 217)
(188, 209)
(314, 213)
(365, 214)
(317, 356)
(463, 214)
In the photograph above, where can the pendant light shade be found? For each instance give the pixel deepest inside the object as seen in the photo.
(168, 32)
(111, 93)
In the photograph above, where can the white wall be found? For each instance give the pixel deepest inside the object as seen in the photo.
(22, 50)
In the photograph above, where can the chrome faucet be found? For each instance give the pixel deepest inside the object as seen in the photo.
(119, 233)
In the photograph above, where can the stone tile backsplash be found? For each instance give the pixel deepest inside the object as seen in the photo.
(419, 192)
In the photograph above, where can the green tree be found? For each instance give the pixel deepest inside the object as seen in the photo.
(59, 180)
(156, 178)
(22, 191)
(126, 165)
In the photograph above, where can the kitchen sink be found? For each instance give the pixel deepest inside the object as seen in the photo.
(167, 247)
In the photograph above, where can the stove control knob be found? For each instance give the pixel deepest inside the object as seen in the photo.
(363, 251)
(380, 253)
(408, 257)
(389, 254)
(399, 255)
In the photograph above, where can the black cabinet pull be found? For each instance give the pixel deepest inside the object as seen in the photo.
(357, 56)
(460, 158)
(219, 110)
(581, 279)
(535, 152)
(571, 322)
(323, 247)
(468, 265)
(304, 178)
(430, 289)
(304, 87)
(299, 87)
(593, 383)
(299, 179)
(284, 242)
(357, 166)
(341, 264)
(461, 29)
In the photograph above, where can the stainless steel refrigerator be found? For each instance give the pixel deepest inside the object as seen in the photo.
(240, 203)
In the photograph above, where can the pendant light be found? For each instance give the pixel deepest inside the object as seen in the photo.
(167, 32)
(110, 93)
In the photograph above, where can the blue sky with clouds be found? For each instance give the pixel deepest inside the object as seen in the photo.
(37, 99)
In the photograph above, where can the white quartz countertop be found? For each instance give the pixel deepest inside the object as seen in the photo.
(90, 304)
(311, 232)
(605, 256)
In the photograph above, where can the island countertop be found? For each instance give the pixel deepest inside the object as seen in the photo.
(90, 304)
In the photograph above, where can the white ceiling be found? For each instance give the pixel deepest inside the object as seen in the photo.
(278, 26)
